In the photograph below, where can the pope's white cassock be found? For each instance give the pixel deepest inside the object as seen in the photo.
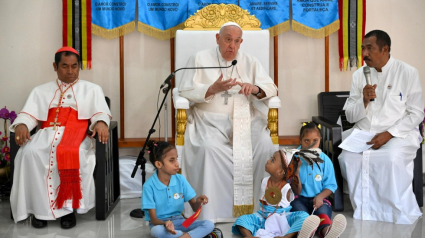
(380, 181)
(226, 141)
(36, 173)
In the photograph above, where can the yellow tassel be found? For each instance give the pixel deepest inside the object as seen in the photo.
(279, 28)
(239, 210)
(315, 33)
(113, 33)
(319, 126)
(304, 124)
(159, 34)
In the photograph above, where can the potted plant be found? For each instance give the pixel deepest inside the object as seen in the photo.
(5, 149)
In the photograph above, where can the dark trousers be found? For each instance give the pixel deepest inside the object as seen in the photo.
(306, 204)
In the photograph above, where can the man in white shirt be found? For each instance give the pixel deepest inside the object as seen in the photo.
(380, 179)
(53, 172)
(227, 141)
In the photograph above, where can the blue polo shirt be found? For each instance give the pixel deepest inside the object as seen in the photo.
(168, 201)
(314, 180)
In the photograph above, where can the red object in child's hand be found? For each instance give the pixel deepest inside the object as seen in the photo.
(192, 218)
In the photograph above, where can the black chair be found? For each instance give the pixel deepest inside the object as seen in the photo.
(330, 108)
(106, 173)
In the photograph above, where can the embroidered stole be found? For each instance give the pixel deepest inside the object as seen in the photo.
(243, 172)
(67, 155)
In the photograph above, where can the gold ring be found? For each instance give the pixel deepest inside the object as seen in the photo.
(17, 137)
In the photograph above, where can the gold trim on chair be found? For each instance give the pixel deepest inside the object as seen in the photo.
(213, 16)
(181, 126)
(272, 125)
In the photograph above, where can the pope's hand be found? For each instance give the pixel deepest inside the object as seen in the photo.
(22, 134)
(221, 85)
(247, 88)
(101, 129)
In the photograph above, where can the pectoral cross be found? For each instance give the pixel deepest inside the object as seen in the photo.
(55, 123)
(226, 96)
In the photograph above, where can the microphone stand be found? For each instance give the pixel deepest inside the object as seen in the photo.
(138, 213)
(141, 160)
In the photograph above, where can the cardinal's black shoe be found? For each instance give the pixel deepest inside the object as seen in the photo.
(36, 223)
(68, 221)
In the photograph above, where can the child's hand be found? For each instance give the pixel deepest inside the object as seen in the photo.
(297, 170)
(169, 226)
(202, 199)
(317, 201)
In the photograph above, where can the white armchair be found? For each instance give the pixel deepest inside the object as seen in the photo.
(196, 37)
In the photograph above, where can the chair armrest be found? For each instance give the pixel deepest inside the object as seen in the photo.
(179, 101)
(14, 150)
(107, 179)
(273, 102)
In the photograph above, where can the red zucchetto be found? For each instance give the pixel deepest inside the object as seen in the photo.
(67, 48)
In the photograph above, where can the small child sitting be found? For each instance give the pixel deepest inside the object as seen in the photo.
(317, 182)
(274, 219)
(165, 193)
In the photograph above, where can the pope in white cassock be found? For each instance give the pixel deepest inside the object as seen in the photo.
(54, 168)
(226, 141)
(380, 179)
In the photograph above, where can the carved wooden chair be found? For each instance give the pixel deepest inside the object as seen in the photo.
(199, 34)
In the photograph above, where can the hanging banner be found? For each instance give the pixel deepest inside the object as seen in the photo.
(195, 5)
(352, 18)
(315, 18)
(162, 18)
(273, 14)
(76, 32)
(113, 18)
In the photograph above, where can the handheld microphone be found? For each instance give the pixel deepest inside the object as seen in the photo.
(168, 80)
(366, 72)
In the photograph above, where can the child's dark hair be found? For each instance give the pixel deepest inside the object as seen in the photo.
(307, 127)
(283, 160)
(157, 150)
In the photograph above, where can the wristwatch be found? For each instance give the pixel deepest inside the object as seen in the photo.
(259, 91)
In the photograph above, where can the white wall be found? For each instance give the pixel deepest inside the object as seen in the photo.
(31, 31)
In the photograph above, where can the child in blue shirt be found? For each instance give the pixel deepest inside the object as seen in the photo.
(317, 182)
(165, 193)
(300, 223)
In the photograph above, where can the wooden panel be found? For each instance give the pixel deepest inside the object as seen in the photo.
(327, 64)
(122, 118)
(173, 110)
(139, 142)
(289, 140)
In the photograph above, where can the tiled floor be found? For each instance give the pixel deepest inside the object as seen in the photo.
(120, 224)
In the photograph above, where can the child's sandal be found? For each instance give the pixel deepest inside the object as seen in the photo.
(309, 227)
(338, 226)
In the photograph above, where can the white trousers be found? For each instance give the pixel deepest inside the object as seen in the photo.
(380, 181)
